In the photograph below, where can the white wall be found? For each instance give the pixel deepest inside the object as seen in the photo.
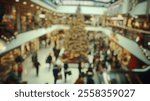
(140, 9)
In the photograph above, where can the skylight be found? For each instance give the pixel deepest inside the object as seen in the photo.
(101, 3)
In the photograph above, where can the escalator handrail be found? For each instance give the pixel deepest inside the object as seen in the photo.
(141, 70)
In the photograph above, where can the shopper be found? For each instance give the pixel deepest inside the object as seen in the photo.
(89, 75)
(80, 67)
(20, 70)
(34, 57)
(90, 80)
(56, 52)
(19, 59)
(56, 71)
(80, 79)
(36, 65)
(49, 60)
(89, 72)
(65, 70)
(12, 76)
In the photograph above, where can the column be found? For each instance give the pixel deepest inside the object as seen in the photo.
(18, 19)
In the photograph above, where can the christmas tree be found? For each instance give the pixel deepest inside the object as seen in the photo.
(76, 39)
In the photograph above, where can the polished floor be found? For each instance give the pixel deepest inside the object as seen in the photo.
(46, 75)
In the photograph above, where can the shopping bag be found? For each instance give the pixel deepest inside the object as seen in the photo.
(59, 76)
(69, 73)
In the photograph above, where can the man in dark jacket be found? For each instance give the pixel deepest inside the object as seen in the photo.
(34, 57)
(80, 67)
(56, 71)
(56, 52)
(37, 64)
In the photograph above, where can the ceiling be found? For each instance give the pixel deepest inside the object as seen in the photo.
(98, 3)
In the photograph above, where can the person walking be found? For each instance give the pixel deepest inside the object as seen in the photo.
(36, 65)
(89, 75)
(34, 57)
(49, 60)
(56, 71)
(20, 70)
(56, 52)
(65, 70)
(79, 67)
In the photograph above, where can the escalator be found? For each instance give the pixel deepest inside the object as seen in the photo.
(124, 77)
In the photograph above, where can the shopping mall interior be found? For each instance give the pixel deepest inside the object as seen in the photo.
(74, 41)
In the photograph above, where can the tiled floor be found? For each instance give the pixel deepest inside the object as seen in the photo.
(46, 75)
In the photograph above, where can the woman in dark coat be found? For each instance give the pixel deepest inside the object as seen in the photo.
(49, 60)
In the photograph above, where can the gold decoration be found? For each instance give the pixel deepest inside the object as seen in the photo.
(76, 40)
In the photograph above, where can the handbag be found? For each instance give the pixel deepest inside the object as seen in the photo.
(69, 73)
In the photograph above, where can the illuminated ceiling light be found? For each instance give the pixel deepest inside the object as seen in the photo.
(24, 2)
(29, 14)
(37, 7)
(32, 5)
(17, 0)
(42, 15)
(119, 16)
(14, 11)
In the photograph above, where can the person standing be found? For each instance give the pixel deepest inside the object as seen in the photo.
(56, 71)
(36, 65)
(49, 60)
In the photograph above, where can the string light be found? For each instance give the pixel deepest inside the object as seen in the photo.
(17, 0)
(32, 5)
(24, 2)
